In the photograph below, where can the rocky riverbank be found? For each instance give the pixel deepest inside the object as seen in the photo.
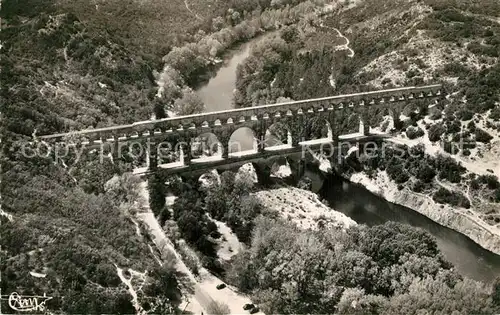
(303, 207)
(464, 221)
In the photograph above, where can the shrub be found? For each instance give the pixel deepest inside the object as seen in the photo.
(465, 114)
(435, 114)
(449, 169)
(418, 186)
(413, 133)
(474, 184)
(435, 132)
(453, 126)
(397, 173)
(471, 126)
(426, 173)
(482, 136)
(164, 215)
(443, 195)
(490, 180)
(495, 113)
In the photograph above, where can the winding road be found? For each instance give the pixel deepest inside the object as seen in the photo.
(347, 42)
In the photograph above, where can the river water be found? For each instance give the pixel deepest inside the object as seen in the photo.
(361, 205)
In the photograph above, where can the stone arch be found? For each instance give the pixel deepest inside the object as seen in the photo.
(317, 127)
(277, 134)
(169, 152)
(206, 145)
(242, 141)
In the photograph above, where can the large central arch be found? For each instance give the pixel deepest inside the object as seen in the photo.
(243, 141)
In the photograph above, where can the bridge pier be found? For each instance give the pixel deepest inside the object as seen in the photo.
(263, 172)
(185, 152)
(364, 127)
(152, 157)
(298, 169)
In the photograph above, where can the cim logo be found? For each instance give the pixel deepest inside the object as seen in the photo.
(27, 303)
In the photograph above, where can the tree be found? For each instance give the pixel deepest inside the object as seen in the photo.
(159, 109)
(163, 286)
(218, 23)
(190, 103)
(435, 132)
(482, 136)
(156, 190)
(356, 302)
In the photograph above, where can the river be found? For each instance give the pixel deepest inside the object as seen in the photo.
(355, 201)
(217, 94)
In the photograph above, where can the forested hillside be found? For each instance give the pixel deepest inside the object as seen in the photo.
(67, 231)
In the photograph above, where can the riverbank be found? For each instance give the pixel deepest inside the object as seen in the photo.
(462, 220)
(303, 208)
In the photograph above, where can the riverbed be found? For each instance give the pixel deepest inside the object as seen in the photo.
(353, 200)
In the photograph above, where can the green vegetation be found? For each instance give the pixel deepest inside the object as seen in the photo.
(196, 207)
(385, 269)
(404, 164)
(414, 132)
(443, 195)
(231, 202)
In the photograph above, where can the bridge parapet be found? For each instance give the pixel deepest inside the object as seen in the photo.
(250, 116)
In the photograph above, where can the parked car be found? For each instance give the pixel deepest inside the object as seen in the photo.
(254, 310)
(247, 307)
(221, 286)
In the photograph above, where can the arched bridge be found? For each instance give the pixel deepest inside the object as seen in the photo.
(171, 143)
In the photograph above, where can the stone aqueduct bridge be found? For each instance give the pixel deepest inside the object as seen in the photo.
(183, 129)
